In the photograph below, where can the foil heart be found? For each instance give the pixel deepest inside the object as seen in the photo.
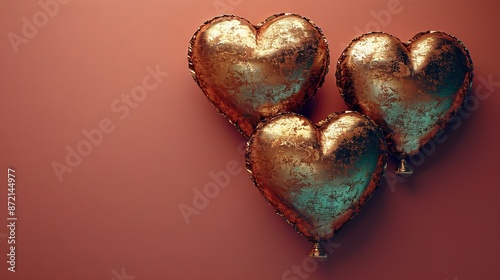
(250, 73)
(411, 90)
(317, 176)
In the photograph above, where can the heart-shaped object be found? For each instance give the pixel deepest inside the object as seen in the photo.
(317, 176)
(250, 73)
(411, 90)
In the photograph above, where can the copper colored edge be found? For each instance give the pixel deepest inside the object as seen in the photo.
(324, 69)
(367, 194)
(462, 93)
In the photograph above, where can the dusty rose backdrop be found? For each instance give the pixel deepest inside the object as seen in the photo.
(109, 137)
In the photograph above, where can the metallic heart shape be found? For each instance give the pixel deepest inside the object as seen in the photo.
(411, 90)
(250, 73)
(317, 176)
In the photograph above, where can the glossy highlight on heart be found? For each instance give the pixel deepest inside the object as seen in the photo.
(250, 73)
(411, 90)
(317, 176)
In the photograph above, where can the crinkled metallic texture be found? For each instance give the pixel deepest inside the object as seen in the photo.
(317, 176)
(411, 90)
(250, 73)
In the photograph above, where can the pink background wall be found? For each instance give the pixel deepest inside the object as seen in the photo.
(116, 214)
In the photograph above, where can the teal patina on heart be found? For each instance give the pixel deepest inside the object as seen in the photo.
(317, 176)
(324, 197)
(411, 90)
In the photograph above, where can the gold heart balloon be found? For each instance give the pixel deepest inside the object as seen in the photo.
(317, 176)
(250, 73)
(411, 90)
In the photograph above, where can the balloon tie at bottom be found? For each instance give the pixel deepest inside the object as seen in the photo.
(318, 251)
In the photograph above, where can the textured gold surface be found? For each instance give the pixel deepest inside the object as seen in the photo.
(411, 90)
(317, 176)
(253, 72)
